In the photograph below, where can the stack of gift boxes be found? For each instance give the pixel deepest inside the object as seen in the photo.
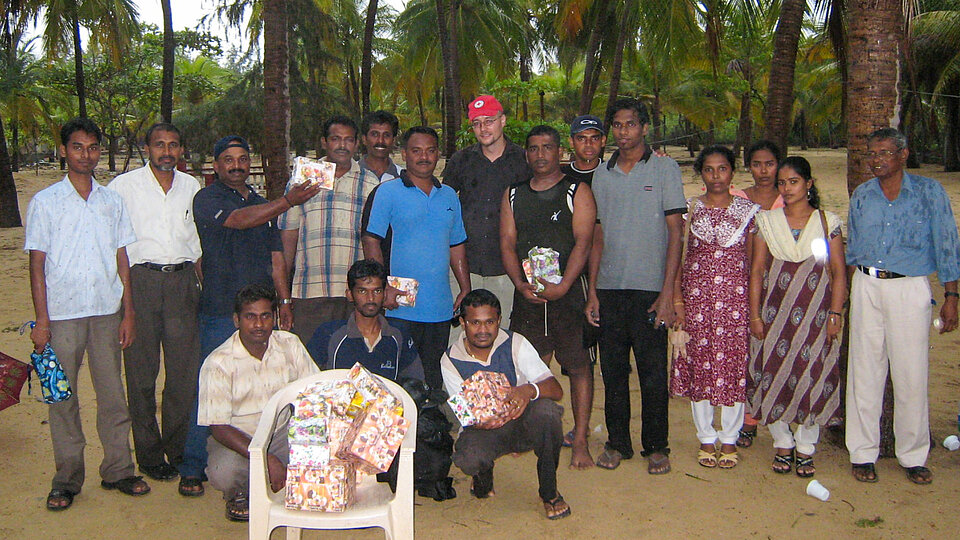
(341, 430)
(542, 263)
(482, 397)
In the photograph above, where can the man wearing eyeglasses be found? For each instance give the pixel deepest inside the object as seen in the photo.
(480, 173)
(901, 230)
(166, 291)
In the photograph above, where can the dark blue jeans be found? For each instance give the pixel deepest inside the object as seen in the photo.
(214, 330)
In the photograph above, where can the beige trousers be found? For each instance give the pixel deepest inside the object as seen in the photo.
(889, 330)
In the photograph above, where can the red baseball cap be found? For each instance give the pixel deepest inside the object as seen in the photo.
(484, 106)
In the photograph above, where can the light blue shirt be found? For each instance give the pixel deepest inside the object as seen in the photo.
(914, 234)
(80, 239)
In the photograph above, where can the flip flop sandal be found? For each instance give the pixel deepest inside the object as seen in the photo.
(745, 439)
(55, 494)
(919, 475)
(609, 459)
(785, 460)
(805, 462)
(127, 486)
(728, 461)
(654, 463)
(553, 504)
(187, 483)
(567, 439)
(238, 508)
(866, 472)
(707, 459)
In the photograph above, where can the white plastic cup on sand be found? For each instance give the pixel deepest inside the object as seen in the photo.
(952, 443)
(816, 489)
(937, 323)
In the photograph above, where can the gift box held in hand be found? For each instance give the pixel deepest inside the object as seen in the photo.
(483, 397)
(312, 171)
(407, 285)
(331, 487)
(543, 263)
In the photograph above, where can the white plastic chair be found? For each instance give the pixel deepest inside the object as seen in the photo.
(375, 505)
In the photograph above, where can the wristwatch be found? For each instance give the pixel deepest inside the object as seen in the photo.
(286, 301)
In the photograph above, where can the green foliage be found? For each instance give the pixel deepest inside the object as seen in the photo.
(515, 130)
(863, 523)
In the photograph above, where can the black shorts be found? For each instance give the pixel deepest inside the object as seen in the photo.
(555, 327)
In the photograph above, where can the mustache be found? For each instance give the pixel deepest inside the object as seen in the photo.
(424, 162)
(236, 171)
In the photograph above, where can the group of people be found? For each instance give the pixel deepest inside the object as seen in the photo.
(244, 295)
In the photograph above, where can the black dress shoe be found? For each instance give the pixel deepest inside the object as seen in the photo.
(163, 471)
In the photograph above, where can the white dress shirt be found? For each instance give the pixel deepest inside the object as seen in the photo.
(166, 233)
(80, 239)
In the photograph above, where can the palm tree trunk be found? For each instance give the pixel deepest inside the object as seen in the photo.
(366, 60)
(524, 77)
(591, 59)
(166, 83)
(617, 66)
(15, 151)
(446, 13)
(951, 141)
(9, 207)
(78, 65)
(276, 97)
(780, 89)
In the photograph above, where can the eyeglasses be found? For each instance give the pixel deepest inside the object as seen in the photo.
(477, 124)
(883, 154)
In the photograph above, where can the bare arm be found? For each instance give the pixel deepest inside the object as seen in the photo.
(289, 239)
(584, 220)
(508, 252)
(592, 308)
(838, 284)
(371, 247)
(664, 303)
(128, 331)
(458, 263)
(258, 214)
(758, 265)
(279, 273)
(40, 334)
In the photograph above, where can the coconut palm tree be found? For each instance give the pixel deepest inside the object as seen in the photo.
(779, 109)
(169, 50)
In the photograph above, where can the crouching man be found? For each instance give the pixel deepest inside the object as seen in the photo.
(236, 381)
(530, 423)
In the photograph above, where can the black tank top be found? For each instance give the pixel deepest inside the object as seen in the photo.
(544, 218)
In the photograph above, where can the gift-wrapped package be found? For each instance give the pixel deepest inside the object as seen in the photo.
(461, 409)
(329, 398)
(330, 487)
(373, 388)
(374, 438)
(407, 285)
(309, 171)
(543, 263)
(485, 392)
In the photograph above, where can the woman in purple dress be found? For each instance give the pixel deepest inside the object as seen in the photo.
(712, 307)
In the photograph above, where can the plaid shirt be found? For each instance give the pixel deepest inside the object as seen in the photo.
(329, 234)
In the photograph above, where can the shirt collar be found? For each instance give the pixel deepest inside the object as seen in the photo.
(353, 331)
(460, 349)
(240, 352)
(616, 154)
(95, 186)
(391, 168)
(405, 178)
(253, 192)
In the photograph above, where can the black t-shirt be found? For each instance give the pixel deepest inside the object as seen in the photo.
(577, 175)
(544, 218)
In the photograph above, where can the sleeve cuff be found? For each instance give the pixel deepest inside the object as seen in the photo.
(675, 211)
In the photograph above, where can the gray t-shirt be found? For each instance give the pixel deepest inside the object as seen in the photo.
(632, 209)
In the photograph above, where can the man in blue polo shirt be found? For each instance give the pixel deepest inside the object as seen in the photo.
(241, 246)
(428, 235)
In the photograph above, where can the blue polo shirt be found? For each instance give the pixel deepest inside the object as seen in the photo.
(424, 228)
(232, 258)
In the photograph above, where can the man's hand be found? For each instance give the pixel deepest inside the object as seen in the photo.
(390, 297)
(302, 192)
(40, 335)
(518, 397)
(529, 293)
(552, 291)
(458, 299)
(286, 317)
(592, 310)
(666, 315)
(948, 314)
(127, 333)
(277, 473)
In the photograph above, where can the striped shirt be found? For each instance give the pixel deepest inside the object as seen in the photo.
(329, 234)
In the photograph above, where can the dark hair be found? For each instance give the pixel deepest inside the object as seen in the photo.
(339, 120)
(802, 167)
(254, 293)
(762, 144)
(423, 130)
(711, 150)
(365, 268)
(81, 123)
(632, 104)
(478, 298)
(162, 126)
(895, 135)
(380, 117)
(544, 129)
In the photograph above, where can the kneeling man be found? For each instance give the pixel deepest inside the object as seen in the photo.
(236, 381)
(531, 423)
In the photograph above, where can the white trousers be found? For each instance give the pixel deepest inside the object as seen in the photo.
(889, 330)
(731, 418)
(804, 438)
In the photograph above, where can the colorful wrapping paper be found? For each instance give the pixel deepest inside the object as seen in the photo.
(306, 170)
(331, 487)
(374, 439)
(373, 388)
(482, 397)
(407, 285)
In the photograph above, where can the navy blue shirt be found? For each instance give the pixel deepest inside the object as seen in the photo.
(232, 258)
(424, 227)
(340, 344)
(914, 234)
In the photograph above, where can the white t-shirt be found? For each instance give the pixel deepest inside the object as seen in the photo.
(526, 362)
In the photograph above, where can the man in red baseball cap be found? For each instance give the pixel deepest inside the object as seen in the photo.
(480, 173)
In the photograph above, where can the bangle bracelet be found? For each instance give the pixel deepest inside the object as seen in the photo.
(678, 303)
(838, 314)
(288, 200)
(755, 319)
(537, 388)
(948, 294)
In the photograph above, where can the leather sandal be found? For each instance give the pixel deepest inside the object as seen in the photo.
(782, 463)
(805, 468)
(128, 486)
(707, 459)
(56, 495)
(190, 486)
(558, 506)
(728, 461)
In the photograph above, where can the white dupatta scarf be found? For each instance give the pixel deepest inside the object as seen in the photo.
(779, 239)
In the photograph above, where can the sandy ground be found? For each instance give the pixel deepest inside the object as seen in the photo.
(749, 501)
